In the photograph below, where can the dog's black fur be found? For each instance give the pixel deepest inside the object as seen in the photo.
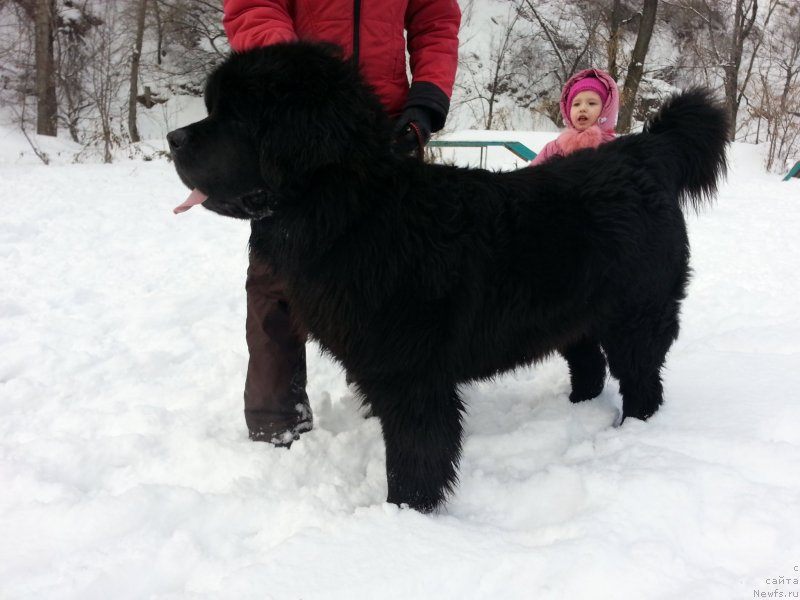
(420, 277)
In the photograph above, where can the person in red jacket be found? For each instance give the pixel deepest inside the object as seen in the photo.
(375, 34)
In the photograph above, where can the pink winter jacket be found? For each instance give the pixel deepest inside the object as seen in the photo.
(599, 133)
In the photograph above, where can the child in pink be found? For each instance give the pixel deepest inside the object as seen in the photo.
(589, 106)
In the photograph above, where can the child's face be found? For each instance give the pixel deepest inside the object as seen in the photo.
(585, 109)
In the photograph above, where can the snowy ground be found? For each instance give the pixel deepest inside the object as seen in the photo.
(126, 471)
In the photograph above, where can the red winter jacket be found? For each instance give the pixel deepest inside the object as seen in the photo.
(372, 31)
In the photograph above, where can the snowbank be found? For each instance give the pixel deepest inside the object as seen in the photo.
(126, 470)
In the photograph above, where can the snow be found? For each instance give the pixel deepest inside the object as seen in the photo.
(126, 471)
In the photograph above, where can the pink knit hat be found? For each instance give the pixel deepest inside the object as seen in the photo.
(588, 84)
(609, 95)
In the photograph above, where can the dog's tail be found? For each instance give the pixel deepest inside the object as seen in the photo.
(695, 128)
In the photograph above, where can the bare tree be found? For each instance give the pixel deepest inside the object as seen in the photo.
(43, 15)
(47, 107)
(499, 75)
(779, 98)
(744, 17)
(483, 82)
(73, 61)
(636, 65)
(614, 35)
(17, 70)
(507, 79)
(159, 28)
(192, 31)
(571, 34)
(568, 40)
(715, 44)
(761, 33)
(40, 154)
(141, 10)
(106, 79)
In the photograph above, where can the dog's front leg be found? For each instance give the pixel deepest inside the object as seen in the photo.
(422, 430)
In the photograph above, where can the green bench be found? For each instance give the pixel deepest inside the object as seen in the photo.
(518, 148)
(793, 172)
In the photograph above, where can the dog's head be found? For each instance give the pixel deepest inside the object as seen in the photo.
(275, 116)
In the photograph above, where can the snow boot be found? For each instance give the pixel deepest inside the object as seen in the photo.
(276, 407)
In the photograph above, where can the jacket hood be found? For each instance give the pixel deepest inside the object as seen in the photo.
(608, 116)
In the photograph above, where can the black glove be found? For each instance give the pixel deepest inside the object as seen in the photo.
(405, 136)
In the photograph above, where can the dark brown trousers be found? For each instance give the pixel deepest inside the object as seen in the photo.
(276, 405)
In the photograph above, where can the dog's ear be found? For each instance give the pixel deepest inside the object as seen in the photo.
(317, 112)
(305, 138)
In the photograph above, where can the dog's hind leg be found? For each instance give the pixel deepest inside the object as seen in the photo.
(636, 351)
(422, 430)
(587, 369)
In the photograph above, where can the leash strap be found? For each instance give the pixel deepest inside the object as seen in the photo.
(420, 143)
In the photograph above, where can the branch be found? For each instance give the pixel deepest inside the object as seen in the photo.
(549, 38)
(36, 150)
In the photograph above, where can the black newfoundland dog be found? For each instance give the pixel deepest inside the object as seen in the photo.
(420, 277)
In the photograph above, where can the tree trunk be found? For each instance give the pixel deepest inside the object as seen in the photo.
(47, 105)
(159, 31)
(141, 11)
(742, 26)
(636, 67)
(613, 38)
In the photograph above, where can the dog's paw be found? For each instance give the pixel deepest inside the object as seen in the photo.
(582, 395)
(638, 412)
(575, 398)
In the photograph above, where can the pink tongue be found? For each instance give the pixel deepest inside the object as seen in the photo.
(196, 197)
